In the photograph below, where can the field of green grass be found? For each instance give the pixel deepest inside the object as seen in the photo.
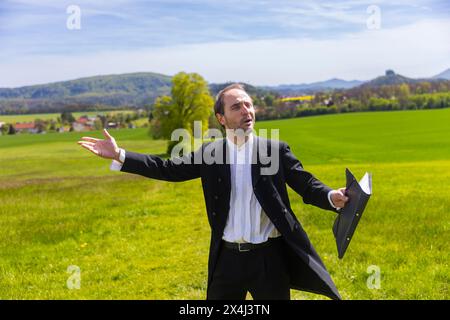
(136, 238)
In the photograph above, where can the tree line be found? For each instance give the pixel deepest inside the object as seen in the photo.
(414, 96)
(67, 119)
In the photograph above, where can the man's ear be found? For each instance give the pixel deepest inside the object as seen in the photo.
(220, 118)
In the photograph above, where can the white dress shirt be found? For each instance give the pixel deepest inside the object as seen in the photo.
(247, 221)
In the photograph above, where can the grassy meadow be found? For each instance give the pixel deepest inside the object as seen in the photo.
(136, 238)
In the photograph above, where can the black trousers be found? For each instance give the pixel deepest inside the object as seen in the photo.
(262, 271)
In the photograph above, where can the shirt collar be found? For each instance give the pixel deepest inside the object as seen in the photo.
(247, 144)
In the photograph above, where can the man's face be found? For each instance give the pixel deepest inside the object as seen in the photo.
(238, 111)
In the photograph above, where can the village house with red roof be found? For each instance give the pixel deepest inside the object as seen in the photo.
(26, 127)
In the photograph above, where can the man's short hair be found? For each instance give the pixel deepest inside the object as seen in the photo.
(219, 105)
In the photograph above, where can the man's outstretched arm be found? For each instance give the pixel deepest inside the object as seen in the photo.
(180, 169)
(312, 190)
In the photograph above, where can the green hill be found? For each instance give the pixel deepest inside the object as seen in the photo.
(134, 89)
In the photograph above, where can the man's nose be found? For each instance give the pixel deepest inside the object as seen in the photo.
(245, 110)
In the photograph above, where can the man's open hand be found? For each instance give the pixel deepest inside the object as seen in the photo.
(339, 198)
(106, 148)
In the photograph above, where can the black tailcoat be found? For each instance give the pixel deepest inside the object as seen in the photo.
(307, 271)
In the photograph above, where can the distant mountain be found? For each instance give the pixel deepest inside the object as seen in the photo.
(289, 89)
(443, 75)
(134, 89)
(251, 90)
(390, 78)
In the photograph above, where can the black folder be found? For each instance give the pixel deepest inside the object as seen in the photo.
(345, 224)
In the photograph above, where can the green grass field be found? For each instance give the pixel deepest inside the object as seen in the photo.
(136, 238)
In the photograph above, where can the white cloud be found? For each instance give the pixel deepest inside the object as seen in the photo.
(417, 50)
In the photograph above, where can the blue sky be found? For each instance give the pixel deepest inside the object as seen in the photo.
(257, 41)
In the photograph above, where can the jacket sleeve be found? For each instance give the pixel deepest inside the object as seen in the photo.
(176, 169)
(312, 190)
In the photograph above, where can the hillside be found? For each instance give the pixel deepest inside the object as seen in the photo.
(392, 78)
(134, 89)
(443, 75)
(328, 85)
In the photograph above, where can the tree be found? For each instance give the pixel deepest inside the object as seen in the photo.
(40, 125)
(67, 117)
(269, 100)
(190, 101)
(4, 129)
(423, 87)
(98, 125)
(11, 129)
(403, 94)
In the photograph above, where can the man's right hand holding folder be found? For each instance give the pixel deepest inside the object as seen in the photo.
(339, 198)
